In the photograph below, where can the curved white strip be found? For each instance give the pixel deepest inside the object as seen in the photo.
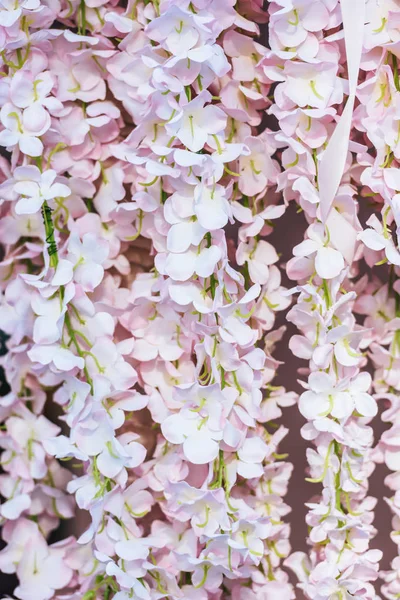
(332, 164)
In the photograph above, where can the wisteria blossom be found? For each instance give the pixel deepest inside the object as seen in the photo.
(158, 160)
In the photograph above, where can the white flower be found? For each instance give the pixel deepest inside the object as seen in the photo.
(328, 261)
(23, 128)
(195, 122)
(340, 399)
(377, 238)
(35, 187)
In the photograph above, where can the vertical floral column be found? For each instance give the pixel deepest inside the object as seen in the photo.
(308, 63)
(131, 147)
(379, 302)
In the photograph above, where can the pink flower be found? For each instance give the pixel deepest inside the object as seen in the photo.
(179, 30)
(259, 256)
(310, 85)
(28, 90)
(86, 257)
(10, 12)
(201, 424)
(41, 569)
(256, 169)
(293, 22)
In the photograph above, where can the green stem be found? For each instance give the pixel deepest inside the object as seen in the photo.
(71, 333)
(395, 72)
(82, 8)
(49, 229)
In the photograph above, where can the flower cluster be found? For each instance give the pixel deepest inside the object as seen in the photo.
(316, 71)
(379, 302)
(130, 145)
(149, 150)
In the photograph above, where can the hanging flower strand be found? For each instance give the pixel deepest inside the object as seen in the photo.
(132, 142)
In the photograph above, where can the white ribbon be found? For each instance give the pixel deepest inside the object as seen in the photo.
(333, 161)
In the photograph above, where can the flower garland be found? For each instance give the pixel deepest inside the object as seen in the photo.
(139, 186)
(130, 150)
(336, 402)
